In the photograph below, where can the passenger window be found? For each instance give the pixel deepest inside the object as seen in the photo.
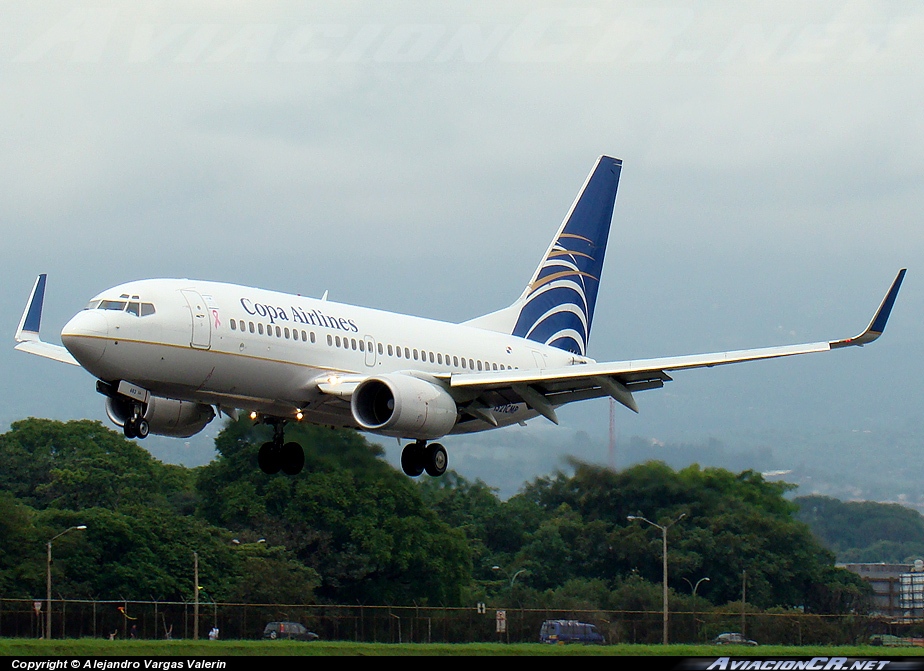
(390, 352)
(439, 358)
(278, 332)
(381, 349)
(337, 339)
(330, 341)
(455, 361)
(251, 327)
(407, 353)
(260, 329)
(233, 325)
(494, 366)
(362, 345)
(397, 351)
(479, 365)
(471, 364)
(415, 355)
(463, 363)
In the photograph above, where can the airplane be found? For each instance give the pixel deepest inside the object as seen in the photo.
(168, 353)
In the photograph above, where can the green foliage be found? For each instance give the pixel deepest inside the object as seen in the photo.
(350, 528)
(140, 537)
(352, 519)
(732, 524)
(81, 464)
(864, 531)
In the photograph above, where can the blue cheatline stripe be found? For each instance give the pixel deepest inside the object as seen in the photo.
(575, 260)
(34, 317)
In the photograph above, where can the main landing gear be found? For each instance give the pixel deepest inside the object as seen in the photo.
(279, 455)
(419, 457)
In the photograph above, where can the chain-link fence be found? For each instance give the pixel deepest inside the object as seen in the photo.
(403, 624)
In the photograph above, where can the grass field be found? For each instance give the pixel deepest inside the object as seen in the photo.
(88, 647)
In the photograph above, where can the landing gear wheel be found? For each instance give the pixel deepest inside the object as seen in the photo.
(436, 460)
(269, 458)
(293, 458)
(128, 428)
(142, 428)
(412, 459)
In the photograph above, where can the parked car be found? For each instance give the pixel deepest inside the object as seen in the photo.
(732, 638)
(569, 631)
(290, 630)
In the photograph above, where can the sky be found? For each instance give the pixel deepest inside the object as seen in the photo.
(418, 157)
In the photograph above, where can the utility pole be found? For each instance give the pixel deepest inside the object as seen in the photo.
(744, 592)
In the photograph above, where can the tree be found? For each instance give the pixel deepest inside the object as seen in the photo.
(349, 516)
(734, 523)
(864, 530)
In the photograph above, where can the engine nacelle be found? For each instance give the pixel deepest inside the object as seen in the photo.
(404, 406)
(165, 416)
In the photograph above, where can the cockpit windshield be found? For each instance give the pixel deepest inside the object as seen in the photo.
(126, 303)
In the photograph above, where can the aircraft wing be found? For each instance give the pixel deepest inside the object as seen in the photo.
(545, 389)
(27, 334)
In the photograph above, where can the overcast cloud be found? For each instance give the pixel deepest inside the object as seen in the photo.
(418, 158)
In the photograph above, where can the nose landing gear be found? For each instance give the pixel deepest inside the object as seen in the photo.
(419, 457)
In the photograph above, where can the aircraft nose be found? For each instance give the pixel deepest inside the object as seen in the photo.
(85, 336)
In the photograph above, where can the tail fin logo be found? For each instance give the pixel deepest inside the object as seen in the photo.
(559, 301)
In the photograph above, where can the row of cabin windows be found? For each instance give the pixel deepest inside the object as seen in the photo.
(417, 355)
(352, 343)
(270, 330)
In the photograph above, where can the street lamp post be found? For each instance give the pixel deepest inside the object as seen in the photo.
(48, 577)
(663, 529)
(196, 596)
(514, 577)
(694, 588)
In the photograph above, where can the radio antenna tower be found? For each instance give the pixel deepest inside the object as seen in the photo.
(612, 434)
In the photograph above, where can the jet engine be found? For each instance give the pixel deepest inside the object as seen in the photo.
(165, 416)
(404, 406)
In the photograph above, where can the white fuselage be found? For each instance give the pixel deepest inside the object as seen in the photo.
(245, 348)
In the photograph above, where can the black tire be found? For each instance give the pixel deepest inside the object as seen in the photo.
(128, 428)
(142, 428)
(436, 460)
(293, 458)
(269, 458)
(412, 460)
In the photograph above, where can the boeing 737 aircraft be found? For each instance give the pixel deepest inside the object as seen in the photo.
(168, 353)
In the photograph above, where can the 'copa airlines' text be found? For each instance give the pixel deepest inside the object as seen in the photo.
(298, 316)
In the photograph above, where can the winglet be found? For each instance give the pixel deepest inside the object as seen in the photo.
(31, 320)
(878, 323)
(27, 334)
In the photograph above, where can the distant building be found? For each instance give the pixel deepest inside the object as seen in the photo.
(898, 589)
